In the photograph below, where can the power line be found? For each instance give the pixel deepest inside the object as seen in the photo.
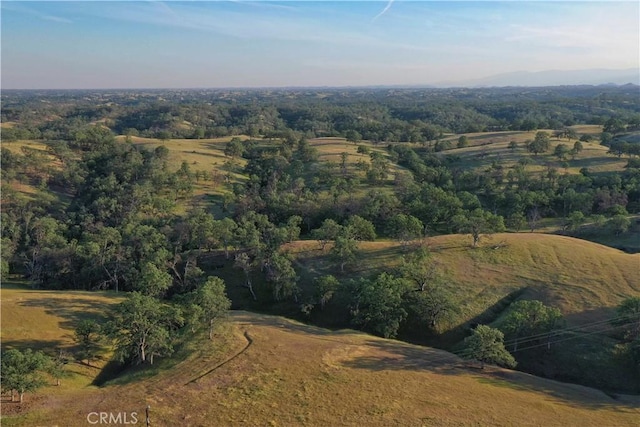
(569, 329)
(575, 329)
(582, 335)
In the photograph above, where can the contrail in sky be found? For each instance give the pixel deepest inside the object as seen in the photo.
(387, 7)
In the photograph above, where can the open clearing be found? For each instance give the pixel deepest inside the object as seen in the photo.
(200, 154)
(45, 320)
(485, 148)
(286, 373)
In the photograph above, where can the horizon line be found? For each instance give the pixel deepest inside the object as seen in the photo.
(373, 86)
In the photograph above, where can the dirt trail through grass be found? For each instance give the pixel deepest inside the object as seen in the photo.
(219, 365)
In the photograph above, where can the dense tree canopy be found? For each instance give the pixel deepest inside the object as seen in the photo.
(377, 304)
(531, 319)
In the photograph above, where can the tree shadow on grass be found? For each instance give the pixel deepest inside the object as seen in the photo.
(572, 394)
(395, 356)
(339, 334)
(599, 314)
(280, 322)
(456, 334)
(109, 372)
(388, 355)
(593, 162)
(69, 311)
(48, 346)
(117, 372)
(201, 153)
(13, 284)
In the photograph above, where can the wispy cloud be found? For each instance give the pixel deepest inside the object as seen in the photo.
(56, 19)
(264, 4)
(309, 42)
(21, 8)
(386, 8)
(246, 24)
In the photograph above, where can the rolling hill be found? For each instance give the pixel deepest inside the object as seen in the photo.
(585, 280)
(266, 370)
(582, 278)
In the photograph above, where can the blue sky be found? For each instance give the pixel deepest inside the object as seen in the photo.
(126, 44)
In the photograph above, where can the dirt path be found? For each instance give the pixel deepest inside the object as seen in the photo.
(219, 365)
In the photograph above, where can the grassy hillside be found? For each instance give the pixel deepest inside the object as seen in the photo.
(485, 149)
(277, 372)
(488, 147)
(582, 278)
(200, 154)
(208, 154)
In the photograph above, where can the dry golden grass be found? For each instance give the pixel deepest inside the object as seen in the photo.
(200, 154)
(289, 374)
(206, 155)
(25, 189)
(330, 149)
(46, 320)
(29, 190)
(485, 149)
(581, 278)
(30, 316)
(49, 159)
(480, 138)
(587, 129)
(16, 146)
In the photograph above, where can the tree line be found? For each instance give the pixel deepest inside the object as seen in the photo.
(378, 115)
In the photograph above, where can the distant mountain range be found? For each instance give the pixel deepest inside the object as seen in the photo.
(552, 78)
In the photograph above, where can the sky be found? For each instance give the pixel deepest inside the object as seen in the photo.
(200, 44)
